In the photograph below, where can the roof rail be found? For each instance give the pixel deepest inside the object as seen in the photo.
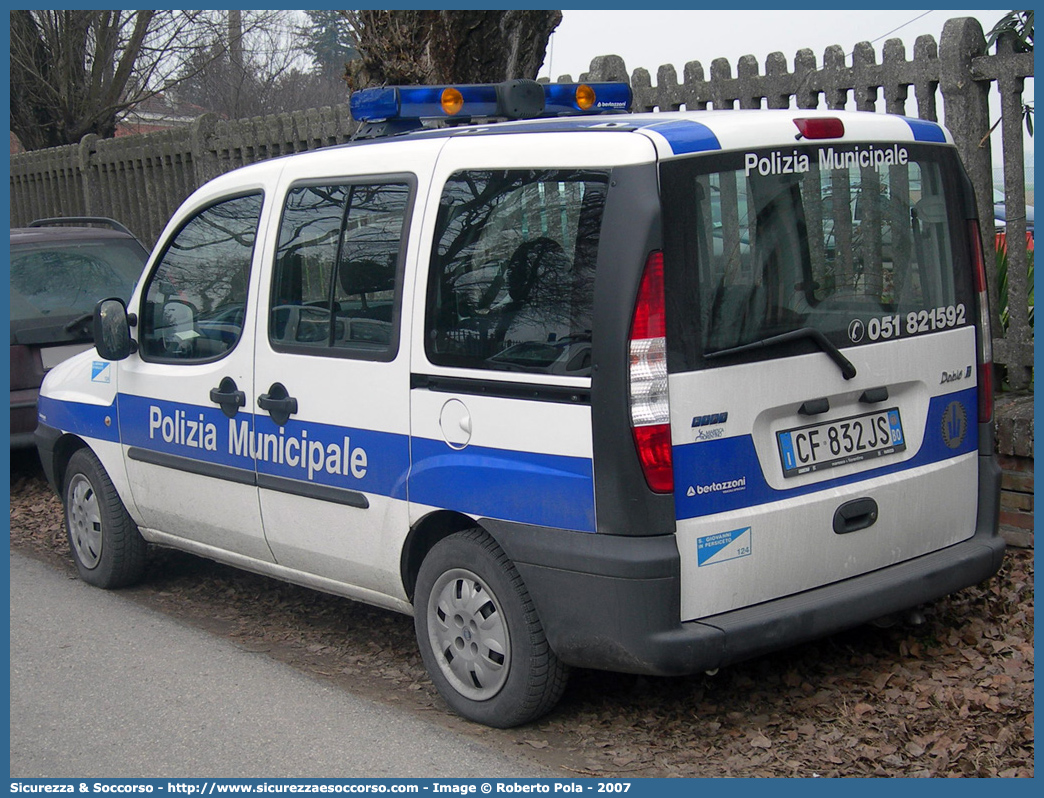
(55, 221)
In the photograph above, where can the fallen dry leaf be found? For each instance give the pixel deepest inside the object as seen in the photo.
(952, 697)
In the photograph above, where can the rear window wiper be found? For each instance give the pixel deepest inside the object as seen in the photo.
(848, 371)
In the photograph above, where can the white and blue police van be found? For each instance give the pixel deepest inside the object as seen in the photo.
(650, 393)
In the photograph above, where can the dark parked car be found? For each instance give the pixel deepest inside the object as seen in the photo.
(58, 273)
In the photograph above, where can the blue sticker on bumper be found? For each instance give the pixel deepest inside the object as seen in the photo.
(723, 546)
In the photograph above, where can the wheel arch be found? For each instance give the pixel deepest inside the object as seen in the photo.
(65, 446)
(423, 536)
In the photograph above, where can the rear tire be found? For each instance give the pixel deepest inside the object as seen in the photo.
(107, 548)
(479, 634)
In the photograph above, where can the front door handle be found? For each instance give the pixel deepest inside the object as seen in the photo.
(279, 403)
(228, 395)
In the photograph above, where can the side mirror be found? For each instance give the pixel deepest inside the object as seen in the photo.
(112, 330)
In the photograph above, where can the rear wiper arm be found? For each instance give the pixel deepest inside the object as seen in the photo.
(848, 371)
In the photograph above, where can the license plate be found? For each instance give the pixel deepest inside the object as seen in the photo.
(805, 450)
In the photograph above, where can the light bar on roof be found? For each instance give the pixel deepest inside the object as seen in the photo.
(569, 98)
(514, 99)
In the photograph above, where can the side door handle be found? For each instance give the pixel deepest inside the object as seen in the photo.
(228, 395)
(279, 403)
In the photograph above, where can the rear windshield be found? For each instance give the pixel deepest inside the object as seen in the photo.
(860, 243)
(66, 280)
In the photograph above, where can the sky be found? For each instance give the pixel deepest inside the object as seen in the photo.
(651, 38)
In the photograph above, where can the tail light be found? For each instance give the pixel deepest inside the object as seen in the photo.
(821, 127)
(650, 409)
(985, 335)
(26, 368)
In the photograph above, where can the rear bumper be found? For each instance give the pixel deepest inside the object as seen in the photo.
(23, 417)
(613, 603)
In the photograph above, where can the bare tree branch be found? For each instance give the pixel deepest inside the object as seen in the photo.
(74, 72)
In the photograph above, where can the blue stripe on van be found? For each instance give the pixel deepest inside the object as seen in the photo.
(923, 130)
(367, 461)
(685, 136)
(79, 418)
(726, 474)
(527, 487)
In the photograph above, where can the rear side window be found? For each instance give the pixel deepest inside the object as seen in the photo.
(195, 301)
(337, 275)
(512, 276)
(857, 242)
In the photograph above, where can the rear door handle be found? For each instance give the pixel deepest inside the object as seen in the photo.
(279, 403)
(855, 515)
(228, 395)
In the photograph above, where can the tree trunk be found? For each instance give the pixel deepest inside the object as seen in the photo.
(30, 120)
(70, 71)
(410, 47)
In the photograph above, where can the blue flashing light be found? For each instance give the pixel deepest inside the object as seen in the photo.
(370, 104)
(425, 102)
(421, 102)
(564, 98)
(512, 99)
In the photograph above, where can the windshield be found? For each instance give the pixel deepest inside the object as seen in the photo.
(60, 281)
(855, 242)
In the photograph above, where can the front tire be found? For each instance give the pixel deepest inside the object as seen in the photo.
(107, 548)
(479, 634)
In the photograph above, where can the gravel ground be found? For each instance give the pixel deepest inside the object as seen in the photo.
(951, 697)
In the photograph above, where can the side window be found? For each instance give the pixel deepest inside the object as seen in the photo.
(195, 302)
(512, 282)
(335, 285)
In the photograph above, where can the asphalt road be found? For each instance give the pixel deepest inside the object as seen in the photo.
(103, 687)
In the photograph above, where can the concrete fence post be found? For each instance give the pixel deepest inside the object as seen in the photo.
(1017, 343)
(966, 112)
(204, 158)
(87, 176)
